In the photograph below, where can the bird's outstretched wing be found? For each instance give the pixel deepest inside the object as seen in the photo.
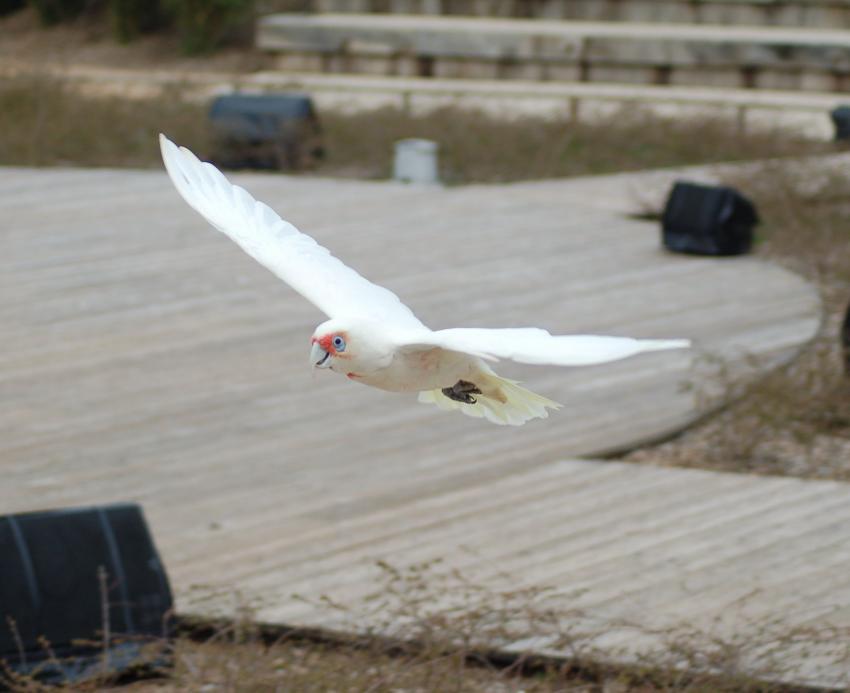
(310, 269)
(537, 346)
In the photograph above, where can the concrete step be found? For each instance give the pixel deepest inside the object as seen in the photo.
(792, 13)
(472, 48)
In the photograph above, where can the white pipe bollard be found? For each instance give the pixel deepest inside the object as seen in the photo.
(416, 161)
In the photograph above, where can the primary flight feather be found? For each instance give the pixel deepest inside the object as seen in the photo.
(371, 336)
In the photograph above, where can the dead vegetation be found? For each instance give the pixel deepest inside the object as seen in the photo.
(477, 148)
(43, 122)
(428, 628)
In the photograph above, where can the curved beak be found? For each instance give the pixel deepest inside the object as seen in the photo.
(319, 358)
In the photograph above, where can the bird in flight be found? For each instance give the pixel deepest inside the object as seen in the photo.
(371, 337)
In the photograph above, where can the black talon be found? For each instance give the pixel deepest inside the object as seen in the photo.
(462, 391)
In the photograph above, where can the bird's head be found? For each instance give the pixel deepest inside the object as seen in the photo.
(349, 347)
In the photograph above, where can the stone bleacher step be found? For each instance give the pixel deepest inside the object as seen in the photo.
(792, 13)
(465, 47)
(804, 112)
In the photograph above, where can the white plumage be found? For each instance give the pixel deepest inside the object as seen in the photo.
(372, 337)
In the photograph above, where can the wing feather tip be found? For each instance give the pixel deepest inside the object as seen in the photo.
(166, 147)
(662, 344)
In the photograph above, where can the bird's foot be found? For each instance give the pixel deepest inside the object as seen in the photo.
(462, 391)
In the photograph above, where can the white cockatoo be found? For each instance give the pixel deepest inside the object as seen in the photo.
(371, 336)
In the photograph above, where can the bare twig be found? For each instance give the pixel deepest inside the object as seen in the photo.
(102, 577)
(19, 643)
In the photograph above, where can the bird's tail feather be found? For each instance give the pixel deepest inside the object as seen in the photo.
(508, 404)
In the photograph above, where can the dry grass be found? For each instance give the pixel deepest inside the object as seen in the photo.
(432, 629)
(311, 666)
(43, 122)
(477, 148)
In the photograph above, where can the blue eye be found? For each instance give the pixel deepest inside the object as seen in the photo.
(339, 343)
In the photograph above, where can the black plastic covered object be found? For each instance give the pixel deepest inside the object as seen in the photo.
(708, 220)
(66, 577)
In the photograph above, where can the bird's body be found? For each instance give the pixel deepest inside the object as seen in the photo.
(372, 337)
(376, 356)
(392, 361)
(415, 371)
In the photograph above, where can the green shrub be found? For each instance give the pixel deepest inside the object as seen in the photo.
(9, 6)
(204, 25)
(133, 17)
(55, 11)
